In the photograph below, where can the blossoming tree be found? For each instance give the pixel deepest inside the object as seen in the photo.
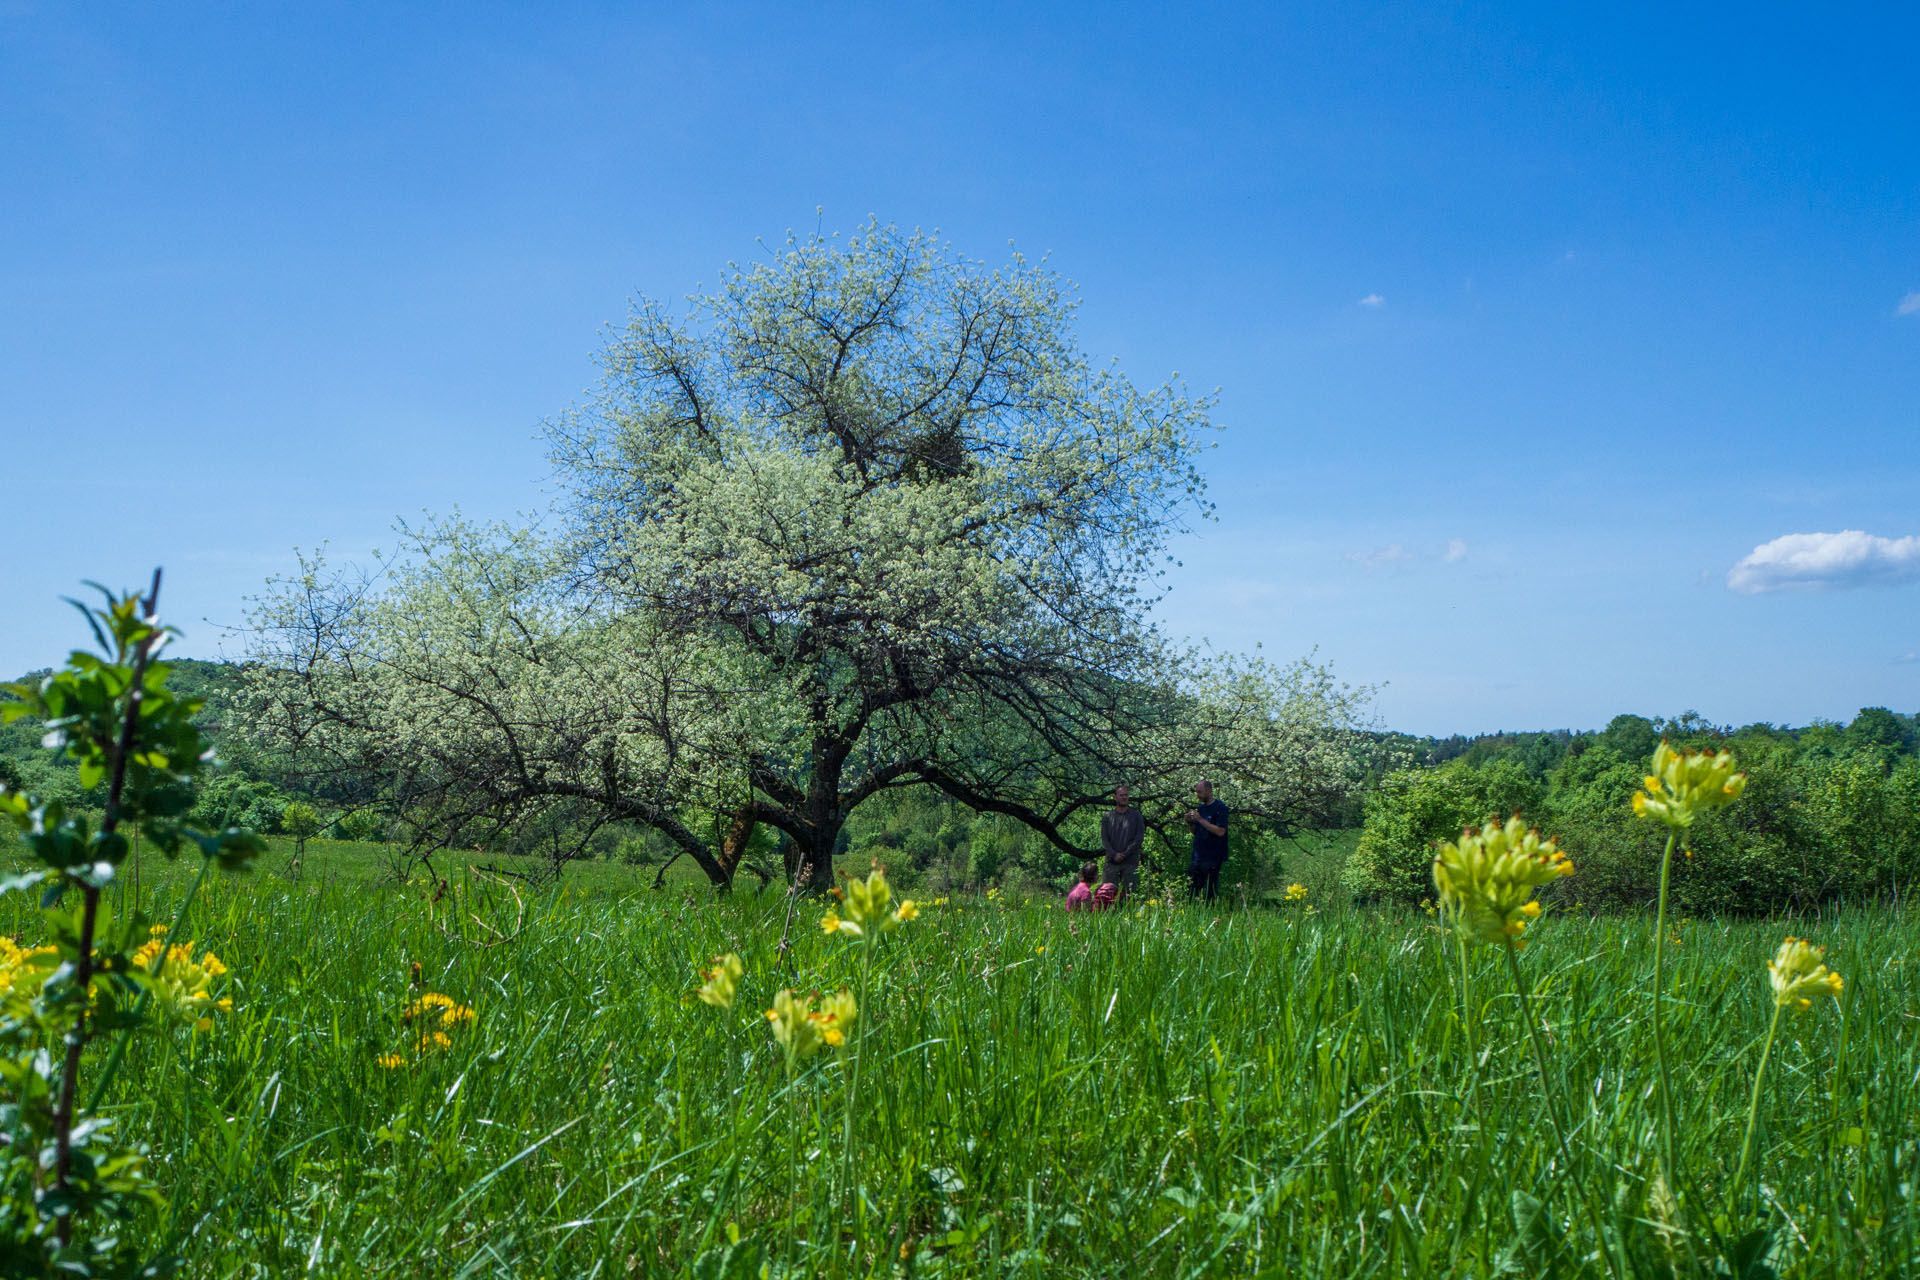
(866, 518)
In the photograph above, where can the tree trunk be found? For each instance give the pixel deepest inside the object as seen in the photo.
(812, 860)
(733, 844)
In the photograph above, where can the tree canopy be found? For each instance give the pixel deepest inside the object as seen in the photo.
(866, 518)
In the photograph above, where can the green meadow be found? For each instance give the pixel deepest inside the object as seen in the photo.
(1166, 1090)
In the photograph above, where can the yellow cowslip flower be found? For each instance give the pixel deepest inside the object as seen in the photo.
(835, 1017)
(1486, 881)
(1799, 977)
(802, 1030)
(181, 984)
(723, 981)
(869, 907)
(1295, 892)
(1686, 784)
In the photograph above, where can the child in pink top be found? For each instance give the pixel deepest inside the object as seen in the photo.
(1081, 896)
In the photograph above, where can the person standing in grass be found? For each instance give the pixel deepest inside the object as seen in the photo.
(1209, 823)
(1122, 830)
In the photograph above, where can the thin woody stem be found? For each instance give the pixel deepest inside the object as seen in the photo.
(76, 1039)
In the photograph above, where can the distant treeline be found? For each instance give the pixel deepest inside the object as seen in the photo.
(1831, 812)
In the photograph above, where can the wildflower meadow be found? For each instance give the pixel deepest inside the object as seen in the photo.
(456, 1079)
(344, 1075)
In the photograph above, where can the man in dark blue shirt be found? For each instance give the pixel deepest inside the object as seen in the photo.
(1209, 823)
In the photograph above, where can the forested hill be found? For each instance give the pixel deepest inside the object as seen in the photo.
(26, 763)
(1631, 736)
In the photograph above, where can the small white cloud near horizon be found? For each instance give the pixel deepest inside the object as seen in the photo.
(1456, 550)
(1909, 305)
(1374, 557)
(1906, 658)
(1826, 562)
(1375, 300)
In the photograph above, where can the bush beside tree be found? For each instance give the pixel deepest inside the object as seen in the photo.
(1829, 815)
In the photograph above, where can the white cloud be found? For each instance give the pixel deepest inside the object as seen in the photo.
(1375, 300)
(1906, 658)
(1456, 550)
(1826, 561)
(1909, 305)
(1377, 556)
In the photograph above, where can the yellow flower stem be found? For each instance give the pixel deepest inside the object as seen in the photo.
(1467, 1020)
(1477, 1100)
(793, 1164)
(867, 944)
(111, 1067)
(1547, 1091)
(1753, 1109)
(1659, 1026)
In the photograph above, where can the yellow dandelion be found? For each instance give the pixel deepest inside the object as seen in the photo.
(390, 1061)
(428, 1001)
(24, 970)
(1295, 892)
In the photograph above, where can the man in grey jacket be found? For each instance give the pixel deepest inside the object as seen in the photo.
(1122, 830)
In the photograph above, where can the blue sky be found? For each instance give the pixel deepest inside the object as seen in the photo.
(1534, 333)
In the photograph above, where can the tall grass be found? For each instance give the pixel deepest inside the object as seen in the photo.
(1174, 1092)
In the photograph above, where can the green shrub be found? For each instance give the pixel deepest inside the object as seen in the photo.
(1414, 808)
(1827, 817)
